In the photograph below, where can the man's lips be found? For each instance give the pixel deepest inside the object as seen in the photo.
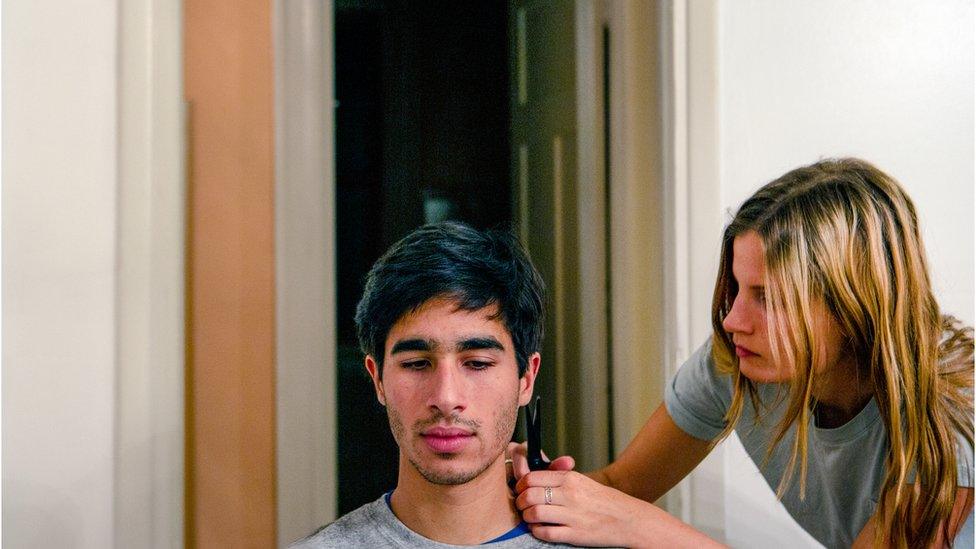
(446, 440)
(742, 352)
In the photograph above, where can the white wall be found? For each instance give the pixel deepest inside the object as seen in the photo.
(92, 274)
(890, 82)
(59, 226)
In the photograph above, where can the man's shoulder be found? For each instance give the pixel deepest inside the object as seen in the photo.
(357, 528)
(374, 525)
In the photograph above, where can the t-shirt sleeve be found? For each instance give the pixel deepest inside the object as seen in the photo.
(964, 462)
(698, 396)
(964, 476)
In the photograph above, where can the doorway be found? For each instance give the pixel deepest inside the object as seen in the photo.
(482, 149)
(422, 135)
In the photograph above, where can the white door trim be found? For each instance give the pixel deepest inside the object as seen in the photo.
(304, 266)
(694, 223)
(150, 293)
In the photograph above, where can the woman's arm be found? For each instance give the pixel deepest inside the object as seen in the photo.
(658, 458)
(616, 509)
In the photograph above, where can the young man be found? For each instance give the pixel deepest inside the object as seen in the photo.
(451, 325)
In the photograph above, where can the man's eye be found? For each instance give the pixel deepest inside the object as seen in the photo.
(478, 364)
(415, 364)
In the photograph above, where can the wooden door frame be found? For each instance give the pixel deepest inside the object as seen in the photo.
(230, 399)
(636, 225)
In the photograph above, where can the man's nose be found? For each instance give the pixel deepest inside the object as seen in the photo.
(447, 391)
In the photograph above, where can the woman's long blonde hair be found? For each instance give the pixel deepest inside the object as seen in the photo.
(845, 233)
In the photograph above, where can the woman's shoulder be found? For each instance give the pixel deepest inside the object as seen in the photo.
(698, 396)
(701, 371)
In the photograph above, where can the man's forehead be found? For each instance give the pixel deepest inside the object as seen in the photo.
(453, 303)
(454, 308)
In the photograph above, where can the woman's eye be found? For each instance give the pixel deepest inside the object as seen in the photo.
(414, 364)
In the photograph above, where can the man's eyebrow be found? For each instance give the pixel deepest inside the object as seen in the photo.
(416, 344)
(473, 343)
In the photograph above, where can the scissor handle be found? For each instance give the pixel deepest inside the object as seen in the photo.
(534, 427)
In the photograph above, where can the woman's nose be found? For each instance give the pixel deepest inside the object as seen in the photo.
(736, 321)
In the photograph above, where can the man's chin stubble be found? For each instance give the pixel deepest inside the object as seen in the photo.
(453, 478)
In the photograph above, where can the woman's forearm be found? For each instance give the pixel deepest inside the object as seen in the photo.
(600, 476)
(664, 530)
(656, 460)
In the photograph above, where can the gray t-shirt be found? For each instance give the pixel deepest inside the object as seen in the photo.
(845, 464)
(374, 526)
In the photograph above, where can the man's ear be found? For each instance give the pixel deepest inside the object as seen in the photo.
(374, 373)
(527, 381)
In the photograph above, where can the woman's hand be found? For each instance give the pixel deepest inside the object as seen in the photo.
(517, 453)
(568, 507)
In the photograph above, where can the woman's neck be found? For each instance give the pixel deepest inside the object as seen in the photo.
(841, 394)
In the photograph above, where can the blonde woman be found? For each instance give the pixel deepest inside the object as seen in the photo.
(831, 361)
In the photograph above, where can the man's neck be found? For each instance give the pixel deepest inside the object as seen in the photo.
(465, 514)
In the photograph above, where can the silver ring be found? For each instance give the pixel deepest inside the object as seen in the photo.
(508, 462)
(548, 495)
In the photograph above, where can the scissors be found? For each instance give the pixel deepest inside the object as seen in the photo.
(533, 423)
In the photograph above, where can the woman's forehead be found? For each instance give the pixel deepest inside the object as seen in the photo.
(748, 259)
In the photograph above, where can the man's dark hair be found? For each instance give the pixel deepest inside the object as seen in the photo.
(452, 260)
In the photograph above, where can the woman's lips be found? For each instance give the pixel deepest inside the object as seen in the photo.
(445, 440)
(742, 352)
